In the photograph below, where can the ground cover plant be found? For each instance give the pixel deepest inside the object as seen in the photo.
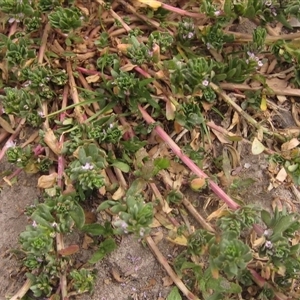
(131, 103)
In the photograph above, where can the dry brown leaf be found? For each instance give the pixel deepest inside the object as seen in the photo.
(117, 275)
(90, 217)
(293, 143)
(128, 67)
(170, 110)
(51, 141)
(155, 223)
(177, 127)
(157, 237)
(7, 181)
(235, 120)
(167, 281)
(276, 83)
(282, 174)
(266, 272)
(118, 194)
(259, 242)
(6, 126)
(221, 211)
(72, 249)
(93, 78)
(87, 241)
(47, 181)
(3, 67)
(220, 136)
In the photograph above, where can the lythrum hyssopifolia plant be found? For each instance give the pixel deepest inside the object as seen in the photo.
(53, 53)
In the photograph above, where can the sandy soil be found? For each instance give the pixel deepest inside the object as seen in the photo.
(130, 272)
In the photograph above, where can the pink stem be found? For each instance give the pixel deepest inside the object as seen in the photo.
(261, 282)
(181, 11)
(189, 163)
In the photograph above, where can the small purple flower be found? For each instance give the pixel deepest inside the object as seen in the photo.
(205, 82)
(87, 166)
(217, 13)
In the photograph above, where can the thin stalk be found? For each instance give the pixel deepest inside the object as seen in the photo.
(249, 119)
(23, 290)
(189, 163)
(162, 260)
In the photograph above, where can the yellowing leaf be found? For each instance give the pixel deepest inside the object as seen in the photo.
(93, 78)
(152, 3)
(293, 143)
(118, 194)
(179, 240)
(198, 183)
(47, 181)
(51, 141)
(257, 147)
(6, 126)
(263, 103)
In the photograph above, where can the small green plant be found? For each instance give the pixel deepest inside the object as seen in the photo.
(85, 171)
(135, 215)
(65, 19)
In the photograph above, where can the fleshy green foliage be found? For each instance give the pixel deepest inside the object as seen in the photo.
(213, 37)
(83, 280)
(164, 39)
(281, 228)
(186, 31)
(41, 285)
(17, 8)
(135, 215)
(18, 52)
(65, 19)
(138, 52)
(86, 170)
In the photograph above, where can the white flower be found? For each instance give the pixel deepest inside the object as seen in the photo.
(268, 245)
(208, 46)
(217, 13)
(260, 63)
(87, 166)
(34, 224)
(205, 82)
(190, 35)
(54, 224)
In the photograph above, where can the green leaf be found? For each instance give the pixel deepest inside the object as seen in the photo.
(78, 216)
(162, 163)
(266, 217)
(227, 8)
(94, 229)
(174, 294)
(105, 205)
(136, 187)
(122, 166)
(106, 247)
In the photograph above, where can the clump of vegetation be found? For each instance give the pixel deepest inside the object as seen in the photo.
(98, 99)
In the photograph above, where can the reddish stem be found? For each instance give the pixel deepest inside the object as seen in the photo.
(189, 163)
